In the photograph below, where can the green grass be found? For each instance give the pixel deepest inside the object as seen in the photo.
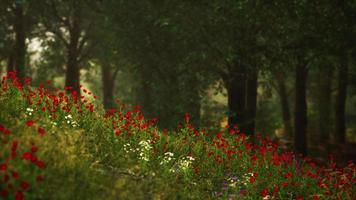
(90, 154)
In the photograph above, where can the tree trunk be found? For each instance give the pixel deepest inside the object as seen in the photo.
(144, 95)
(108, 86)
(325, 81)
(20, 46)
(340, 129)
(236, 92)
(283, 94)
(300, 124)
(251, 101)
(73, 70)
(11, 62)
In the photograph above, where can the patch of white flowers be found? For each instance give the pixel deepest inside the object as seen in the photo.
(233, 181)
(29, 111)
(144, 150)
(246, 178)
(70, 120)
(184, 163)
(167, 157)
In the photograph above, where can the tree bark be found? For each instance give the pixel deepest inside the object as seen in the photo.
(340, 128)
(251, 101)
(73, 70)
(283, 95)
(236, 92)
(325, 81)
(20, 36)
(300, 136)
(10, 62)
(108, 86)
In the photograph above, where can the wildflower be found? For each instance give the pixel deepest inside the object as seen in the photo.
(4, 193)
(30, 123)
(19, 195)
(27, 156)
(264, 192)
(3, 167)
(6, 178)
(40, 164)
(117, 132)
(243, 191)
(25, 185)
(39, 179)
(41, 131)
(187, 117)
(14, 174)
(289, 175)
(14, 145)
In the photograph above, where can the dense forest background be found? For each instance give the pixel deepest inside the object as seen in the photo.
(285, 69)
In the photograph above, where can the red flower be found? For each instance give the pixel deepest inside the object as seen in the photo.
(187, 117)
(289, 175)
(275, 190)
(15, 175)
(252, 179)
(25, 185)
(6, 178)
(41, 131)
(19, 196)
(40, 164)
(27, 156)
(300, 198)
(7, 132)
(248, 146)
(4, 193)
(118, 133)
(2, 128)
(3, 167)
(14, 145)
(264, 192)
(39, 179)
(243, 191)
(34, 149)
(30, 123)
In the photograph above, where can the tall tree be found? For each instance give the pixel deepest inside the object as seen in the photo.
(324, 101)
(340, 128)
(20, 37)
(301, 118)
(71, 22)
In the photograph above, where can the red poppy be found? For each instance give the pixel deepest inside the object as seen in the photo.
(41, 131)
(39, 179)
(40, 164)
(6, 178)
(14, 174)
(34, 149)
(117, 132)
(264, 192)
(3, 167)
(30, 123)
(4, 193)
(25, 185)
(27, 156)
(19, 196)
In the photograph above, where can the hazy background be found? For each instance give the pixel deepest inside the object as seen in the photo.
(285, 69)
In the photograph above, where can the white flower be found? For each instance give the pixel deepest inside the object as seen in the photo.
(190, 158)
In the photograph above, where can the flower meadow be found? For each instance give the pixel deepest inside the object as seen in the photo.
(55, 144)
